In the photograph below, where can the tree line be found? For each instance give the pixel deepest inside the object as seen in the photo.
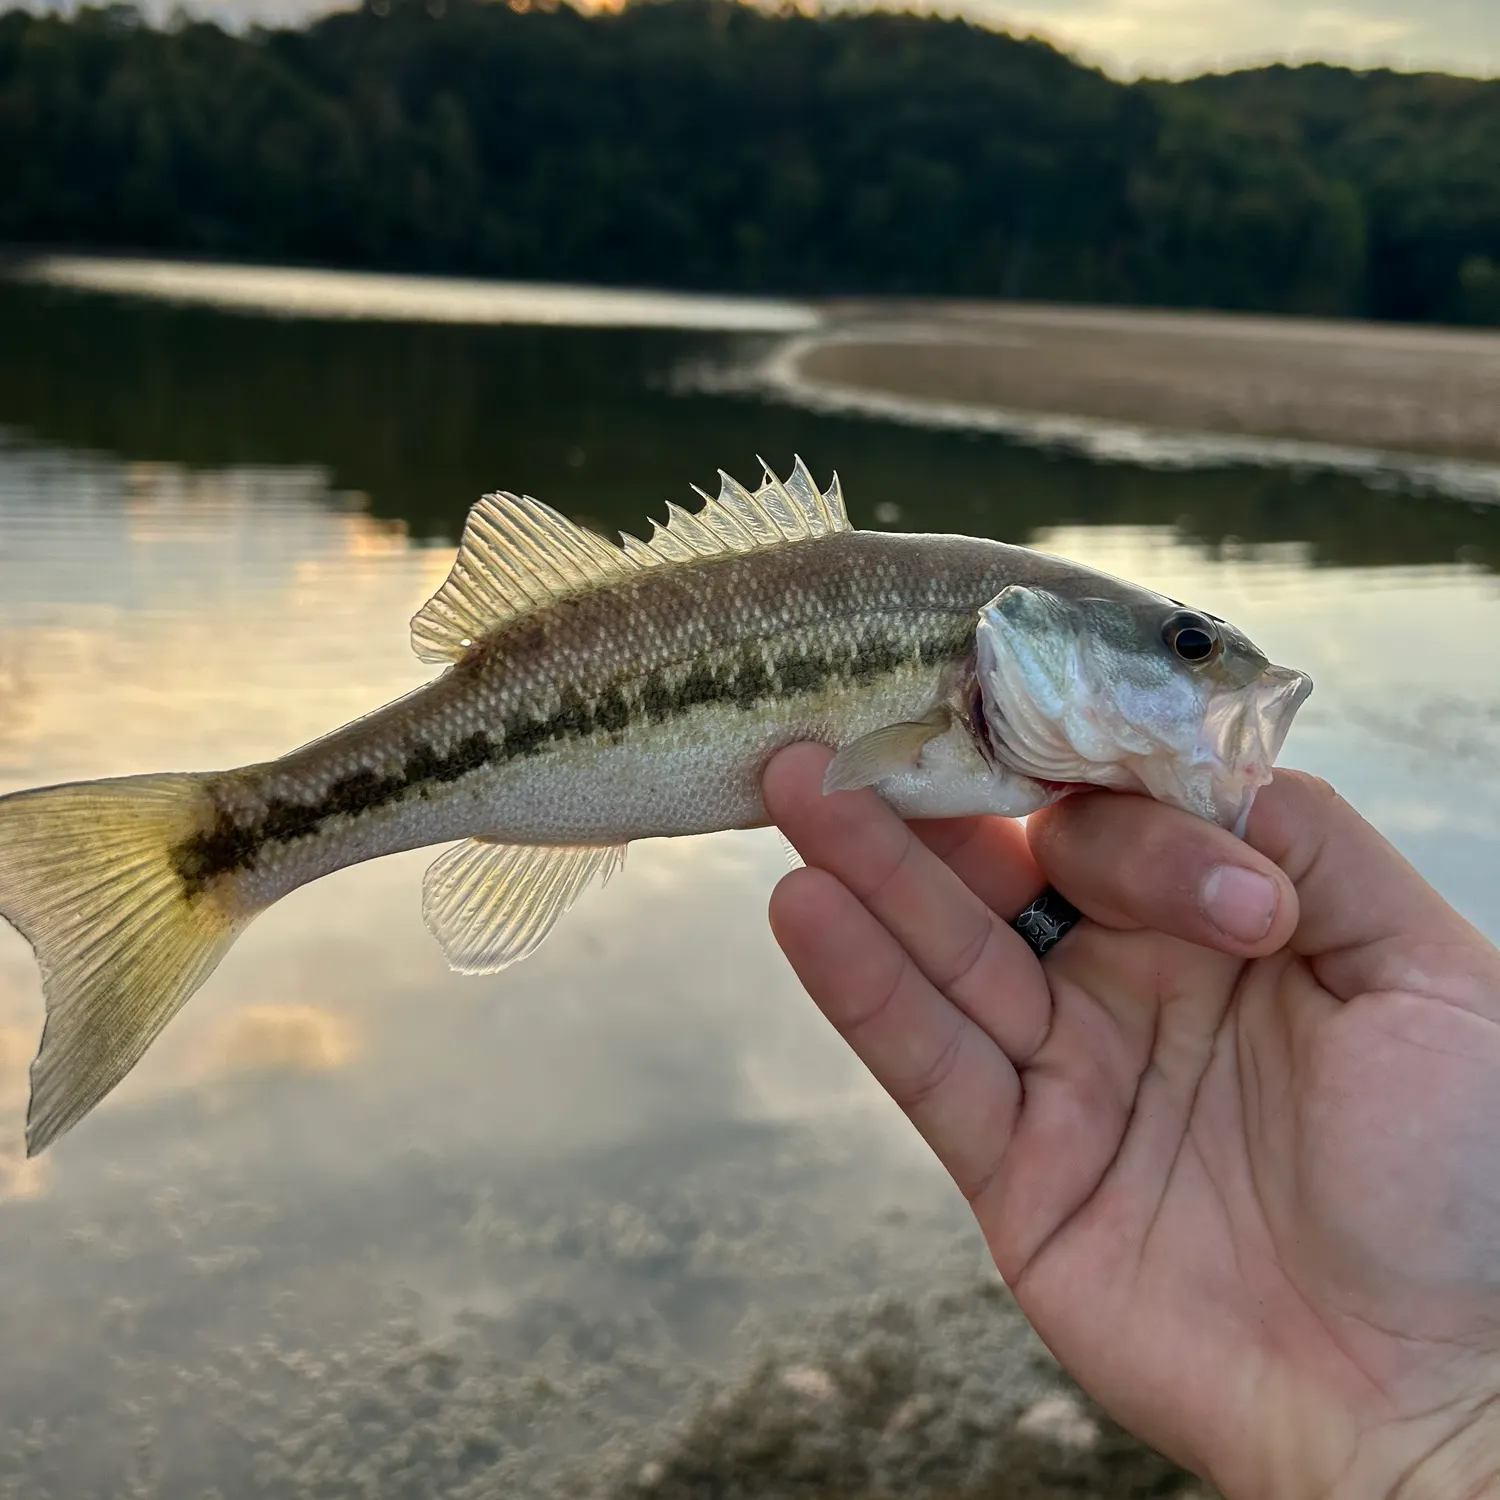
(710, 144)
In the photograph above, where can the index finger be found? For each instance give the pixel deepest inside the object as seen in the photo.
(952, 937)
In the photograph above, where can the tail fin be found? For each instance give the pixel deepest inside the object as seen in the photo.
(87, 874)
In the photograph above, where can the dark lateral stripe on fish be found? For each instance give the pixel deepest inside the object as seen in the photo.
(231, 845)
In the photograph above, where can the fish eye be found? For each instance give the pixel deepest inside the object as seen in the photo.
(1192, 637)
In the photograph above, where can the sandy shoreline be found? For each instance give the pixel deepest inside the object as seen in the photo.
(1419, 390)
(1029, 369)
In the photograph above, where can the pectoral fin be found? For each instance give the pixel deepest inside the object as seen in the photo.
(883, 752)
(489, 904)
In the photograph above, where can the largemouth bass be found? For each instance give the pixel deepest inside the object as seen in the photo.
(595, 694)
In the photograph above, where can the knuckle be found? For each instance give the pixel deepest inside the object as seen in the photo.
(966, 960)
(1316, 787)
(1314, 804)
(1131, 846)
(1057, 833)
(913, 1093)
(876, 882)
(885, 991)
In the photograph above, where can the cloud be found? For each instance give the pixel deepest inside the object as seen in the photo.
(286, 1038)
(1179, 37)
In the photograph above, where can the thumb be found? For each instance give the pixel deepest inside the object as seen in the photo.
(1311, 876)
(1128, 862)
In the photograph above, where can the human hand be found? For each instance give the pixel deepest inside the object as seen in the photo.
(1243, 1178)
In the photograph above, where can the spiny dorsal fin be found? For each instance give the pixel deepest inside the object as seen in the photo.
(518, 554)
(739, 521)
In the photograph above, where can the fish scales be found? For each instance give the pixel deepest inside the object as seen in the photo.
(594, 695)
(636, 711)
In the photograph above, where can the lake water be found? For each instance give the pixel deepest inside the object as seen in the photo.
(360, 1226)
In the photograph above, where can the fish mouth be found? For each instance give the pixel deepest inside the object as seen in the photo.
(1239, 736)
(1210, 756)
(1242, 733)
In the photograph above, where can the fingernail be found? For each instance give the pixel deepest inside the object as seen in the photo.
(1238, 902)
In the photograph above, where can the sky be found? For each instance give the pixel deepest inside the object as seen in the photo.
(1179, 37)
(1173, 38)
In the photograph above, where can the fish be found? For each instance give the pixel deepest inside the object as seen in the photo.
(592, 694)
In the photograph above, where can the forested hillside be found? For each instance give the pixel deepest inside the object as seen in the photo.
(700, 143)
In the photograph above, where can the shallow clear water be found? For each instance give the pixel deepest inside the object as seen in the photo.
(477, 1234)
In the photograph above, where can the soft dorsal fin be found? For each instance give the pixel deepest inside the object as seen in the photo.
(518, 554)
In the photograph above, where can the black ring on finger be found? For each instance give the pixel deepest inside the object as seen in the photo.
(1047, 921)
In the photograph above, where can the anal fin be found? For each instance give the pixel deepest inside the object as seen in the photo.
(490, 905)
(883, 752)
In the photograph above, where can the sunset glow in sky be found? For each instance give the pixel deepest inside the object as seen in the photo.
(1131, 37)
(1189, 36)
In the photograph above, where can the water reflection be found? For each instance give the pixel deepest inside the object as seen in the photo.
(417, 420)
(297, 1038)
(356, 1216)
(285, 291)
(343, 1166)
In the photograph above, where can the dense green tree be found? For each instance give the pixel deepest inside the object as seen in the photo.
(704, 143)
(1421, 153)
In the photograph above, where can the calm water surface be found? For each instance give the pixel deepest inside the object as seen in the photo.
(358, 1225)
